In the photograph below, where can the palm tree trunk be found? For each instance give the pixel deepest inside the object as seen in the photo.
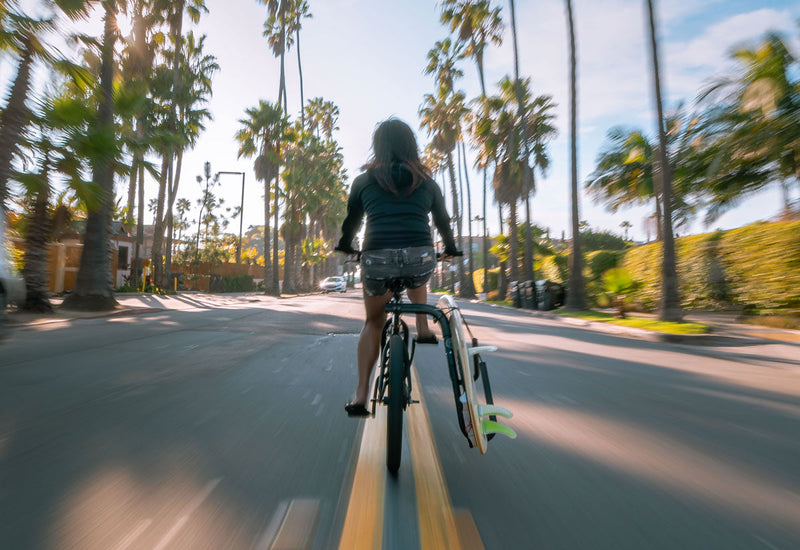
(173, 193)
(502, 279)
(13, 119)
(276, 289)
(527, 254)
(462, 276)
(131, 190)
(479, 63)
(576, 297)
(670, 309)
(468, 289)
(94, 289)
(456, 212)
(267, 263)
(158, 229)
(513, 241)
(137, 257)
(526, 184)
(34, 269)
(300, 71)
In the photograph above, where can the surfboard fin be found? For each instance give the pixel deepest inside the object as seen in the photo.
(491, 427)
(481, 349)
(487, 410)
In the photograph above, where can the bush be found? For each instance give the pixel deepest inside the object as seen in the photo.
(555, 268)
(601, 240)
(492, 276)
(600, 261)
(493, 296)
(237, 283)
(756, 265)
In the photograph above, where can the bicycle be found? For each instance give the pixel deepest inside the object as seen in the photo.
(393, 380)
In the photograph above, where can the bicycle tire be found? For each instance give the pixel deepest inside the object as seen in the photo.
(396, 397)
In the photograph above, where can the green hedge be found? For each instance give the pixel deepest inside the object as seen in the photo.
(755, 265)
(762, 264)
(555, 268)
(237, 283)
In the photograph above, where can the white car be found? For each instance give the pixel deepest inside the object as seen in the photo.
(333, 284)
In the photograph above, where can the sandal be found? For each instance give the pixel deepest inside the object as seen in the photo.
(356, 409)
(427, 340)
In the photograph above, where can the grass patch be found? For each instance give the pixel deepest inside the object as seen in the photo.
(589, 315)
(646, 323)
(500, 302)
(662, 326)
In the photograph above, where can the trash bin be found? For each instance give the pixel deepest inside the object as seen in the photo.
(544, 295)
(528, 295)
(513, 293)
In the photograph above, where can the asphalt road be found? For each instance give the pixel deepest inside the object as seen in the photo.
(220, 425)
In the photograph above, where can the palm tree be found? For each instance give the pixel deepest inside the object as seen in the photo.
(299, 11)
(442, 60)
(475, 23)
(751, 125)
(670, 306)
(94, 287)
(625, 225)
(20, 35)
(322, 117)
(196, 69)
(528, 185)
(441, 117)
(576, 298)
(260, 137)
(275, 30)
(498, 132)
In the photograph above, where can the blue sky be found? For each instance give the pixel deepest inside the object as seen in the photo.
(367, 57)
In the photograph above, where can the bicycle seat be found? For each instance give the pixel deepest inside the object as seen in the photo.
(398, 284)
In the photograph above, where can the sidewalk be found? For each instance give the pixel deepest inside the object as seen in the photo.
(129, 304)
(725, 328)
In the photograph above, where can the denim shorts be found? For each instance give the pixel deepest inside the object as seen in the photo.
(378, 267)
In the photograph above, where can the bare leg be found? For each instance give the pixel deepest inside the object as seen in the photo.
(420, 296)
(369, 343)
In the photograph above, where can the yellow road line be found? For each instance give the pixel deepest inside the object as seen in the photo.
(363, 524)
(468, 531)
(437, 524)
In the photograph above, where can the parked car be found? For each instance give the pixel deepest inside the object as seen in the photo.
(12, 287)
(333, 284)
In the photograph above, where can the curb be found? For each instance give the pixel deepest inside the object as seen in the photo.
(642, 334)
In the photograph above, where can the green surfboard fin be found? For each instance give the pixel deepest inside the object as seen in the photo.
(491, 427)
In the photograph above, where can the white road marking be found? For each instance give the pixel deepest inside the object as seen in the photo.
(274, 524)
(133, 535)
(317, 399)
(768, 545)
(193, 505)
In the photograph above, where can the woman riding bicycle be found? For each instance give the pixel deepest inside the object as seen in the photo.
(396, 192)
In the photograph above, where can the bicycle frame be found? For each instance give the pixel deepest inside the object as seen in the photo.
(395, 325)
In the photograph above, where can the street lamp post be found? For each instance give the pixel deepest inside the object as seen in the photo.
(241, 218)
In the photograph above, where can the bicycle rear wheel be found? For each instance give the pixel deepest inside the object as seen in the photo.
(395, 401)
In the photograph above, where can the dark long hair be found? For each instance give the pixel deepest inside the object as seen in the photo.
(394, 143)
